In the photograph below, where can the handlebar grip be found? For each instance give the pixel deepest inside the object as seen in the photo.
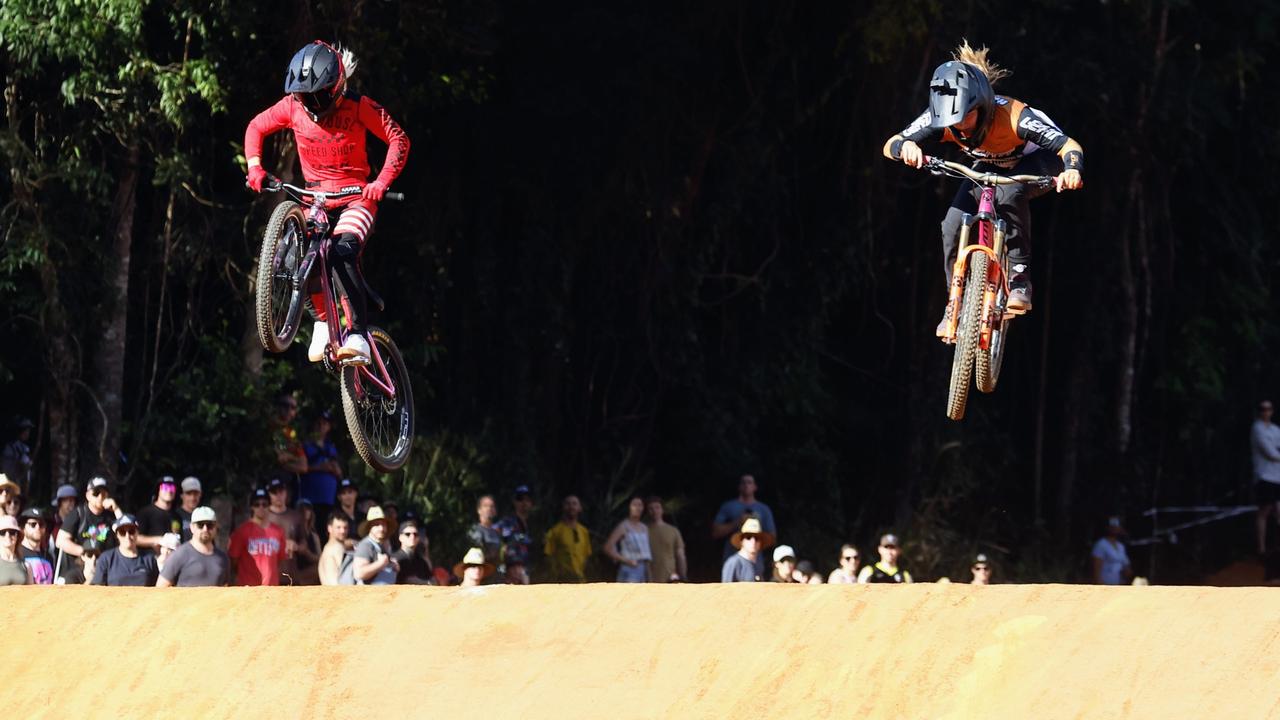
(396, 196)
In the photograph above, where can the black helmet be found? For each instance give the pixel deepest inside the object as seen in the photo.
(316, 78)
(957, 88)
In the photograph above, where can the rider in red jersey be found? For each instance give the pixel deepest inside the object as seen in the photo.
(1001, 134)
(329, 124)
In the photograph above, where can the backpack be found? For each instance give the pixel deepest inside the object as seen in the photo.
(346, 569)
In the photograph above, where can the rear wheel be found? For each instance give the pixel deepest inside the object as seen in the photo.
(379, 419)
(967, 331)
(988, 362)
(279, 297)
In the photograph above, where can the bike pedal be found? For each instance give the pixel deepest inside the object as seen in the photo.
(353, 361)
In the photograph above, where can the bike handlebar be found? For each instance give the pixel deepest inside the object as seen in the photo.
(939, 166)
(275, 184)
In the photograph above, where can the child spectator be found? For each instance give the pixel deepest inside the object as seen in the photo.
(847, 573)
(806, 574)
(666, 544)
(628, 545)
(257, 546)
(568, 544)
(13, 571)
(750, 540)
(198, 563)
(123, 565)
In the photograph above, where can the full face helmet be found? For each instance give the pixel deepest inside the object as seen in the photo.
(956, 89)
(316, 78)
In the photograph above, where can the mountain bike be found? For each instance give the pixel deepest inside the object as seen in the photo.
(977, 316)
(377, 398)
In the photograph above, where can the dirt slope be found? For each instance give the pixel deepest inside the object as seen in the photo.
(614, 651)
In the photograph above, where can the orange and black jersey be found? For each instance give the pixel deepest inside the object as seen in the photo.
(1016, 130)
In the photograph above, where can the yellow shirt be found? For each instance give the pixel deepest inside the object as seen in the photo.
(567, 549)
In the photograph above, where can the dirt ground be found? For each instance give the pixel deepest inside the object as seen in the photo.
(644, 651)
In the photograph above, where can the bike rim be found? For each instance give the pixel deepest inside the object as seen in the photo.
(284, 267)
(384, 417)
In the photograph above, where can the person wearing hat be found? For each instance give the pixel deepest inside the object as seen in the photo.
(784, 564)
(34, 534)
(168, 545)
(320, 481)
(887, 570)
(734, 512)
(981, 569)
(9, 491)
(348, 498)
(258, 546)
(15, 459)
(160, 517)
(123, 565)
(192, 491)
(1110, 559)
(473, 569)
(288, 519)
(750, 540)
(64, 501)
(373, 564)
(198, 563)
(516, 537)
(91, 520)
(12, 570)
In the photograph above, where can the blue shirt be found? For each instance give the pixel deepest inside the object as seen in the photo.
(320, 487)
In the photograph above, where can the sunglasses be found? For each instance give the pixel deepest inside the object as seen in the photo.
(35, 523)
(127, 532)
(981, 568)
(204, 524)
(260, 503)
(98, 491)
(849, 557)
(409, 533)
(750, 537)
(9, 532)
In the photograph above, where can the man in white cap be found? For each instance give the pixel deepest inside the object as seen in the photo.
(887, 570)
(123, 565)
(1110, 560)
(198, 563)
(373, 563)
(91, 520)
(750, 540)
(191, 494)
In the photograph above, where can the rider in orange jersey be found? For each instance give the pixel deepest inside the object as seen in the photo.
(1001, 134)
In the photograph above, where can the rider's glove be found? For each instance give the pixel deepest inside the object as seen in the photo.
(374, 191)
(256, 177)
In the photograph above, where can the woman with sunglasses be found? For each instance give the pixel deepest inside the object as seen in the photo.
(847, 573)
(13, 571)
(123, 565)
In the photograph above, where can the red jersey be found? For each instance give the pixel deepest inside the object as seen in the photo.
(332, 151)
(257, 552)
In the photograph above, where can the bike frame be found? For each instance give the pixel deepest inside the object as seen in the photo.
(991, 231)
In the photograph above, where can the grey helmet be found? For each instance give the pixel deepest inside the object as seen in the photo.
(957, 88)
(316, 78)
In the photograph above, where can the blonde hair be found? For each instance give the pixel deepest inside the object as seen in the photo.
(978, 58)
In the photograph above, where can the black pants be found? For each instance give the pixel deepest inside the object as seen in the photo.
(1012, 204)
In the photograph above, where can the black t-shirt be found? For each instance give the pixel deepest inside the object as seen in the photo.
(82, 524)
(116, 570)
(157, 521)
(184, 518)
(413, 569)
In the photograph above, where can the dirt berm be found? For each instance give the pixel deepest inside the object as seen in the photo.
(617, 651)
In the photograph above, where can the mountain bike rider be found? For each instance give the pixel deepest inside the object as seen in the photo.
(1002, 134)
(329, 123)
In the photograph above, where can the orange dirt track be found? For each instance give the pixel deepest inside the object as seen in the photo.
(644, 651)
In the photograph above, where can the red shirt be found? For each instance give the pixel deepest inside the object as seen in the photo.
(257, 552)
(333, 151)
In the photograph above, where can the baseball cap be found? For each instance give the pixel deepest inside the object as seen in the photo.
(981, 559)
(889, 540)
(303, 501)
(125, 520)
(258, 494)
(96, 482)
(32, 514)
(24, 423)
(521, 490)
(64, 492)
(346, 483)
(190, 483)
(204, 513)
(167, 480)
(782, 552)
(274, 483)
(171, 541)
(804, 567)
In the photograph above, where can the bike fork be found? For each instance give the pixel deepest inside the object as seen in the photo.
(956, 295)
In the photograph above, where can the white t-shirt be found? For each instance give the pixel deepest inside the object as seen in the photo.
(1114, 561)
(1265, 442)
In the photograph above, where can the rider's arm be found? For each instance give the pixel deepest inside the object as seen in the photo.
(376, 118)
(911, 137)
(273, 119)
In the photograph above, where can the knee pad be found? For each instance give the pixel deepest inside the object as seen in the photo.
(347, 248)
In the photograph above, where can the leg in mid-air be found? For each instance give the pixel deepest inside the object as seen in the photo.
(350, 232)
(1013, 205)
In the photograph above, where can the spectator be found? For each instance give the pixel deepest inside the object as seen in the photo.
(334, 550)
(91, 520)
(666, 545)
(373, 562)
(258, 545)
(347, 495)
(15, 459)
(568, 544)
(473, 570)
(1110, 560)
(887, 570)
(415, 567)
(65, 502)
(750, 540)
(9, 491)
(320, 483)
(806, 574)
(32, 550)
(847, 573)
(160, 517)
(734, 512)
(628, 545)
(516, 537)
(123, 565)
(78, 570)
(168, 544)
(13, 571)
(288, 520)
(1265, 443)
(981, 569)
(291, 459)
(483, 534)
(784, 564)
(192, 491)
(306, 553)
(199, 562)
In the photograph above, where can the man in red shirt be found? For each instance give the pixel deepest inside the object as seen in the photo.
(330, 124)
(257, 546)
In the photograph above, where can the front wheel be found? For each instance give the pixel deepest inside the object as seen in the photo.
(379, 405)
(989, 361)
(279, 298)
(968, 331)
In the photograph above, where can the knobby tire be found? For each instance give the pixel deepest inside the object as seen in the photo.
(989, 361)
(281, 254)
(380, 426)
(967, 331)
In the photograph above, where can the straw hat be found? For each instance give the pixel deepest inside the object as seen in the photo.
(374, 515)
(752, 527)
(474, 556)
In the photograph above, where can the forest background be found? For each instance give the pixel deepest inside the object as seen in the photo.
(651, 246)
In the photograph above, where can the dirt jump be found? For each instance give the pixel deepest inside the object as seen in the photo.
(644, 651)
